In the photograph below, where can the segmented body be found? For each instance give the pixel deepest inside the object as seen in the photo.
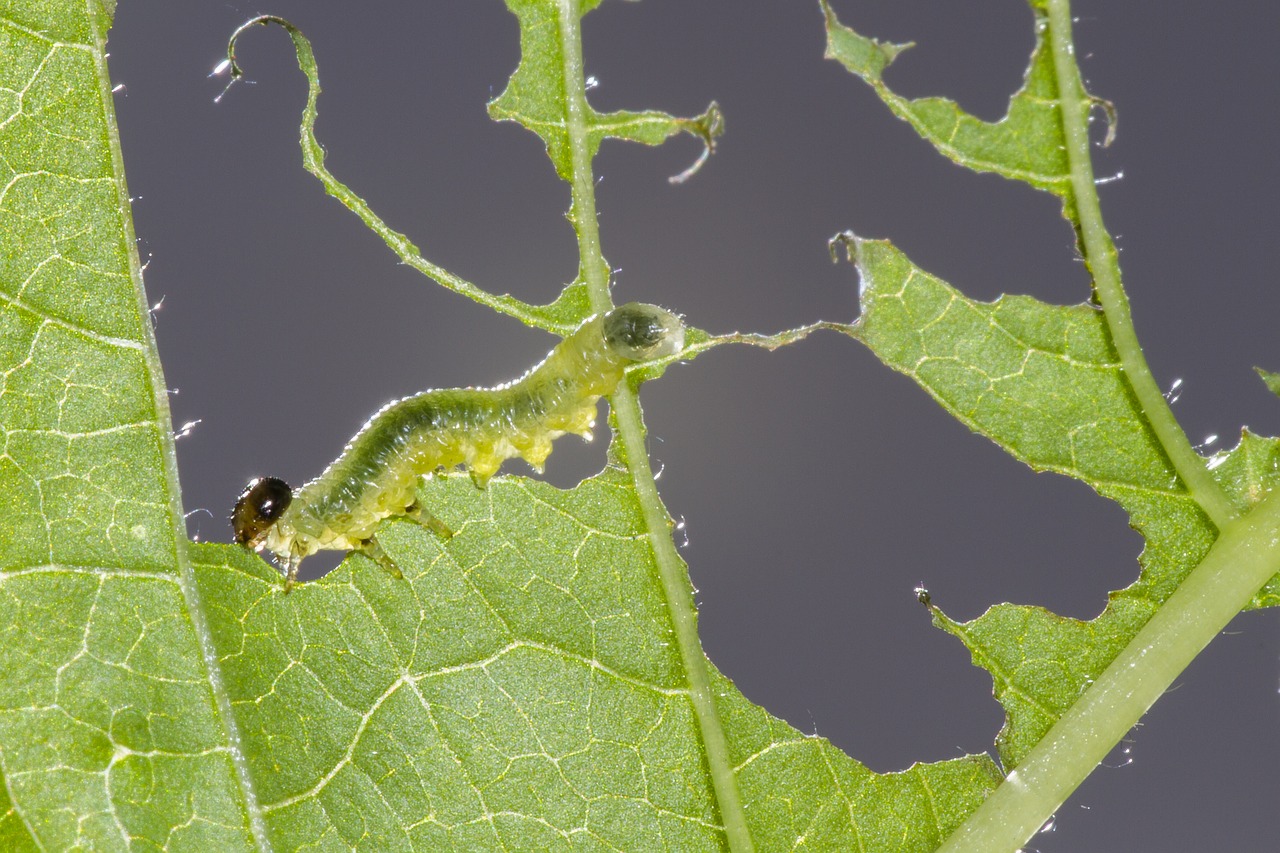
(376, 476)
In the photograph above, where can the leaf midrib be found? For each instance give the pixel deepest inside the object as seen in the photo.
(626, 412)
(164, 424)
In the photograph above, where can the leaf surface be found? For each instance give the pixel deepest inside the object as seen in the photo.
(520, 689)
(109, 728)
(1044, 382)
(1026, 145)
(1065, 389)
(538, 98)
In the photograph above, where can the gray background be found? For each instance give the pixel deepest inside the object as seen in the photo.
(818, 487)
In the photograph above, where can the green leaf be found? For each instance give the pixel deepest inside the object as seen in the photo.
(534, 683)
(1066, 389)
(110, 731)
(531, 101)
(539, 96)
(501, 698)
(1026, 145)
(562, 315)
(1045, 383)
(1271, 379)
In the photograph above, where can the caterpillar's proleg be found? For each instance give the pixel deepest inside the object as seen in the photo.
(370, 548)
(415, 512)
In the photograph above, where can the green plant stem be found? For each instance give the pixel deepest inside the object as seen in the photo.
(1104, 265)
(1244, 557)
(626, 410)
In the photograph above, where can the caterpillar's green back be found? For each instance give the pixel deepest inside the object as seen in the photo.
(376, 475)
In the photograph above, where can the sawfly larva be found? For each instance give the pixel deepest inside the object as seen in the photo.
(377, 474)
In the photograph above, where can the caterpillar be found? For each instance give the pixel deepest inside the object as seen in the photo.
(376, 475)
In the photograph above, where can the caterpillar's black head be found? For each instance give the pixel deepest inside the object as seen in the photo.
(641, 332)
(259, 506)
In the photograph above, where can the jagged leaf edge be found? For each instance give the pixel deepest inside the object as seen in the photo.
(1247, 472)
(794, 785)
(1029, 136)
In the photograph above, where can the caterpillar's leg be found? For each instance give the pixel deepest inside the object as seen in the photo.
(415, 512)
(291, 574)
(371, 549)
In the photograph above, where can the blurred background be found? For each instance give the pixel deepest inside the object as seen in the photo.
(816, 487)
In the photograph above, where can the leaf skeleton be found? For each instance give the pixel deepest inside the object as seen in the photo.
(376, 475)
